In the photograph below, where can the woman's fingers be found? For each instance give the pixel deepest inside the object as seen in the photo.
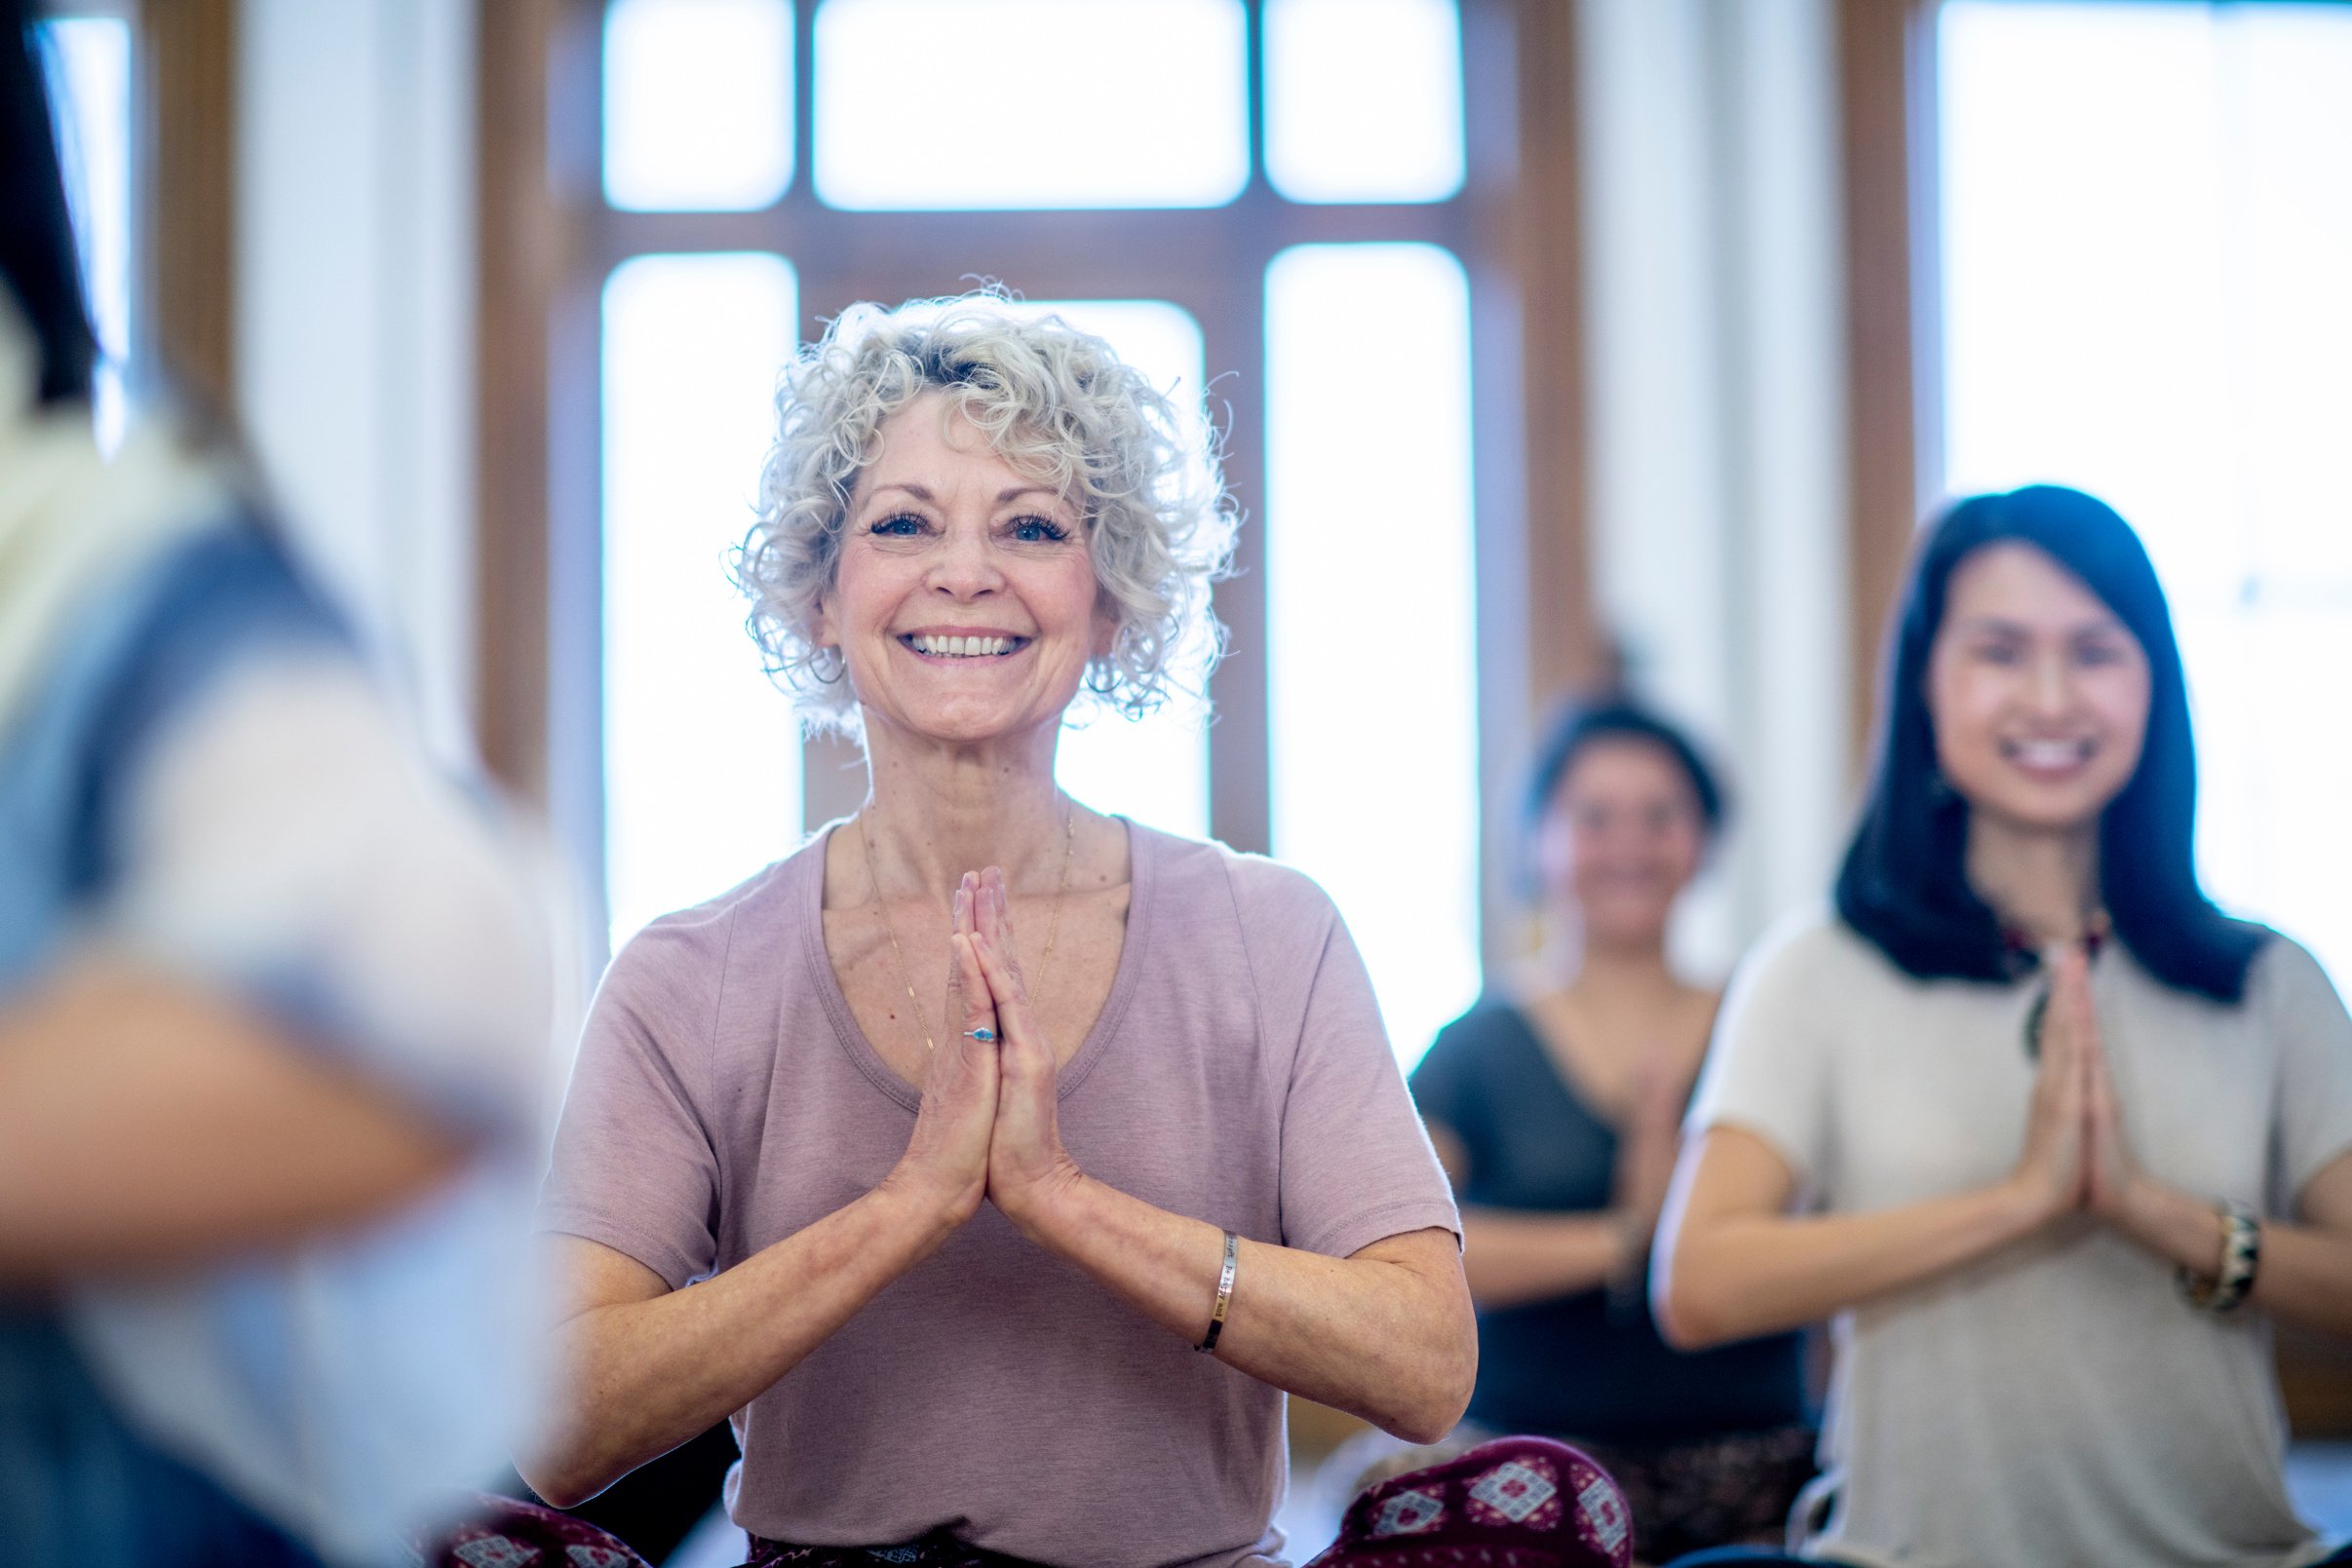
(2061, 1016)
(977, 1000)
(996, 905)
(1012, 999)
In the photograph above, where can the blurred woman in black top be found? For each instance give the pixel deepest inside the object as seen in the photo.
(1554, 1103)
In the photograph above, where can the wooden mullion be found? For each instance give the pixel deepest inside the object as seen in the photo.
(520, 277)
(1886, 74)
(189, 193)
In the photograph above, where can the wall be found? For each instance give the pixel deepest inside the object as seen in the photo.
(1715, 383)
(355, 312)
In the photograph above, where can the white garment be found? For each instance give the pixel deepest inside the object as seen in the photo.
(2057, 1401)
(71, 524)
(281, 832)
(282, 840)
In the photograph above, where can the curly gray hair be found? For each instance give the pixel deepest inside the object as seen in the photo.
(1053, 402)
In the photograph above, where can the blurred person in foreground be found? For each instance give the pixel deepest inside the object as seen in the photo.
(993, 1164)
(272, 1008)
(1554, 1104)
(2048, 1135)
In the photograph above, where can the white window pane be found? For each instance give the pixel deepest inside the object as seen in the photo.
(1364, 99)
(91, 82)
(702, 755)
(698, 104)
(2148, 223)
(1368, 580)
(1032, 103)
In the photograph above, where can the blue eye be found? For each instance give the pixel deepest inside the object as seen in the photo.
(1039, 531)
(898, 526)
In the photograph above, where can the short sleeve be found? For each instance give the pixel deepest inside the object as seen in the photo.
(2314, 1043)
(635, 1167)
(1356, 1165)
(1767, 1067)
(273, 829)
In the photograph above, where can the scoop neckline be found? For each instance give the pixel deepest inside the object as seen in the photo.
(1141, 856)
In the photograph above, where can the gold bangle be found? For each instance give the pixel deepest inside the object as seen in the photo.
(1224, 1294)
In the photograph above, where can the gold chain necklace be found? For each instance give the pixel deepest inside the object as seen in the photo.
(1053, 929)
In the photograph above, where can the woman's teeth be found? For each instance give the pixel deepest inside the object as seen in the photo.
(959, 647)
(2049, 753)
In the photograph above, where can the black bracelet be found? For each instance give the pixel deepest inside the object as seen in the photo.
(1224, 1294)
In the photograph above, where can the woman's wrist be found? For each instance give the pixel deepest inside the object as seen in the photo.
(2184, 1230)
(926, 1207)
(1045, 1207)
(2023, 1205)
(1630, 1232)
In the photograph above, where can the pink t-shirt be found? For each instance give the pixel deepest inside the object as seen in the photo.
(725, 1099)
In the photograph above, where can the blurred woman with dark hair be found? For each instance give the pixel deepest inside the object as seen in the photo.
(1554, 1105)
(2048, 1133)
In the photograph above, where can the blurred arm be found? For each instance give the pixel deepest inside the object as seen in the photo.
(1512, 1256)
(146, 1123)
(1733, 1264)
(277, 835)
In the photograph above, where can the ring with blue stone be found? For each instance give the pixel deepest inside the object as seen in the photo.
(983, 1034)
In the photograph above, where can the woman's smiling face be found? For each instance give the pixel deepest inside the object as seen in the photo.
(2038, 691)
(964, 602)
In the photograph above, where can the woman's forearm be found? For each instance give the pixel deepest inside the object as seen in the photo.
(1511, 1257)
(2305, 1274)
(637, 1379)
(1386, 1334)
(1737, 1276)
(148, 1124)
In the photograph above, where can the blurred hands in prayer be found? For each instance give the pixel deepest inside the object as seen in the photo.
(2055, 1167)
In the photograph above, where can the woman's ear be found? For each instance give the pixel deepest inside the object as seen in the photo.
(820, 635)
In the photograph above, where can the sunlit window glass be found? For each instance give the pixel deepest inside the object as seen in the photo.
(698, 104)
(90, 59)
(1364, 99)
(1037, 103)
(702, 756)
(1368, 582)
(2147, 220)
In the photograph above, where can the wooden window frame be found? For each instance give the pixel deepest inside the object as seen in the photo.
(548, 240)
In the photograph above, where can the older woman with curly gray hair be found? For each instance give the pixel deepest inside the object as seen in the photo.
(937, 1153)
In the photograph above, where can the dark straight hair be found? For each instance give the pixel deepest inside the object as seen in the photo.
(1905, 883)
(38, 258)
(1612, 717)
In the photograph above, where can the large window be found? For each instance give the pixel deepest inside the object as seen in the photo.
(1260, 203)
(2146, 218)
(89, 60)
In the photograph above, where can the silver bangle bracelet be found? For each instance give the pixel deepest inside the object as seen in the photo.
(1224, 1294)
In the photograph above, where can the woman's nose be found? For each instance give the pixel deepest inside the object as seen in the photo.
(965, 567)
(2052, 691)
